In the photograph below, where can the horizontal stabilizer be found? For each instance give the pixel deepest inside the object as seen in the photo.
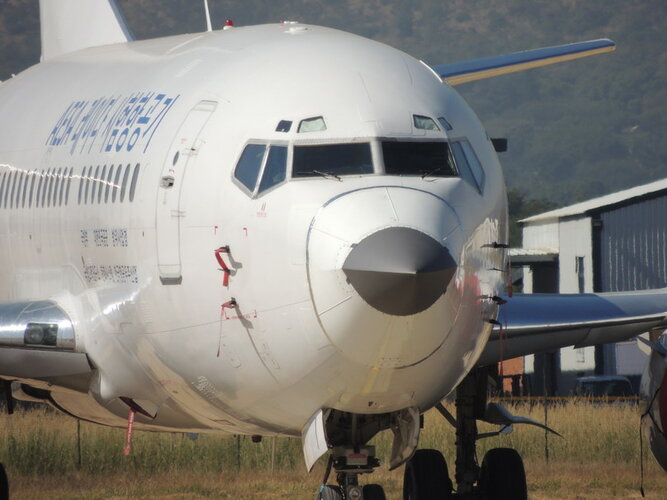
(532, 323)
(489, 67)
(71, 25)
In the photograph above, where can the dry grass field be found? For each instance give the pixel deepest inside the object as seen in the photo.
(597, 459)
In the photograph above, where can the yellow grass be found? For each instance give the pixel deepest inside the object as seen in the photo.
(598, 458)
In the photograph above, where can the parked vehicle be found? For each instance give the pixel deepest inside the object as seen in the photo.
(603, 386)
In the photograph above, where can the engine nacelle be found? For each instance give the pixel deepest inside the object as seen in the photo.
(654, 401)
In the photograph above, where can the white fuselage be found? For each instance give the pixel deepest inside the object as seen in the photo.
(139, 278)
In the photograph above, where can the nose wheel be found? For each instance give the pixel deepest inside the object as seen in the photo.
(373, 492)
(328, 492)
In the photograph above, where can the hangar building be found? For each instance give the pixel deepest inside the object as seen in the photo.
(616, 242)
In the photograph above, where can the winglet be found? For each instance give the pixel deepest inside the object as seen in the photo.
(71, 25)
(489, 67)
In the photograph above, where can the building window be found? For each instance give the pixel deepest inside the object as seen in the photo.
(579, 267)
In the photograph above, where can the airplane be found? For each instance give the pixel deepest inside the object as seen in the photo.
(275, 230)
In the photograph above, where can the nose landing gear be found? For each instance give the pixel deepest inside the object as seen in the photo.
(349, 464)
(500, 477)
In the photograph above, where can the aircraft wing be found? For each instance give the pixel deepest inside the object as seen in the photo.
(489, 67)
(532, 323)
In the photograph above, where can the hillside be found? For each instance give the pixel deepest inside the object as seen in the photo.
(577, 130)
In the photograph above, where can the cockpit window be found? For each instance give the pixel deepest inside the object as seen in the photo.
(445, 124)
(315, 124)
(275, 169)
(424, 123)
(249, 165)
(332, 159)
(418, 158)
(469, 166)
(284, 126)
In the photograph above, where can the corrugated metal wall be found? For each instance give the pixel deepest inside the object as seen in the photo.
(632, 247)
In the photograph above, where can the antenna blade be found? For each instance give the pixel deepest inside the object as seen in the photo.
(209, 27)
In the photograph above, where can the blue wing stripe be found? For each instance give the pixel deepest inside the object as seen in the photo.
(488, 67)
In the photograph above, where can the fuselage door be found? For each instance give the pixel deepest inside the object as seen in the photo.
(170, 210)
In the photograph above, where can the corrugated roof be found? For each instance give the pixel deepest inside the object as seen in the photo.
(601, 202)
(513, 252)
(523, 256)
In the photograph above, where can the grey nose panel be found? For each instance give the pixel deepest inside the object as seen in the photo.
(399, 271)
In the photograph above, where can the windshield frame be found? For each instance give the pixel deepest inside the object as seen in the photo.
(374, 158)
(430, 175)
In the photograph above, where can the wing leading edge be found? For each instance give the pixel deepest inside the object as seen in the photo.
(533, 323)
(489, 67)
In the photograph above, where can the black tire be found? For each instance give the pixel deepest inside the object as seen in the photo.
(502, 476)
(374, 492)
(329, 493)
(426, 477)
(4, 484)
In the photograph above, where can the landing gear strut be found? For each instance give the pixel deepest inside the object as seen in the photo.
(351, 457)
(470, 407)
(349, 464)
(501, 476)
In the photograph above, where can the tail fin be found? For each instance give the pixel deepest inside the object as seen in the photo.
(71, 25)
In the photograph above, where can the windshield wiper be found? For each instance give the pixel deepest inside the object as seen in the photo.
(428, 173)
(326, 175)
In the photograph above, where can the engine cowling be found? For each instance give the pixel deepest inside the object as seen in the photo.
(653, 392)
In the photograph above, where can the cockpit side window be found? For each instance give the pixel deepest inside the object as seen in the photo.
(445, 124)
(418, 158)
(332, 159)
(424, 123)
(469, 165)
(276, 168)
(249, 165)
(315, 124)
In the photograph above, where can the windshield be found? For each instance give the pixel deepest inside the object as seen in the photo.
(332, 159)
(418, 158)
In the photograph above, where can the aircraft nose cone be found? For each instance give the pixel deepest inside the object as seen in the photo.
(399, 270)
